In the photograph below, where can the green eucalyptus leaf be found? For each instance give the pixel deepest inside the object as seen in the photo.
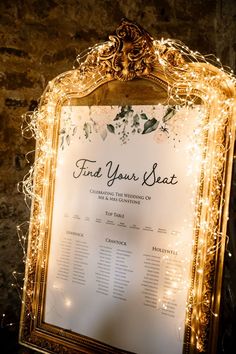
(62, 141)
(68, 139)
(136, 120)
(125, 110)
(74, 130)
(128, 109)
(143, 116)
(170, 112)
(87, 130)
(150, 126)
(111, 128)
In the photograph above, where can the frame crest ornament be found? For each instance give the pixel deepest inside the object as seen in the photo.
(132, 54)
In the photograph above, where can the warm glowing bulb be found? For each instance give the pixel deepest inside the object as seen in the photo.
(67, 302)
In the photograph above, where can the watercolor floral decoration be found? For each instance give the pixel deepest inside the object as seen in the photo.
(163, 122)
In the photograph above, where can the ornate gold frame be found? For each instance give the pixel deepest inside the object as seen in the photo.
(132, 60)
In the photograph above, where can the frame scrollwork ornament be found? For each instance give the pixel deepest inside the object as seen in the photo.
(130, 53)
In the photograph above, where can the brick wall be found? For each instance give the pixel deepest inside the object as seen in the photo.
(40, 39)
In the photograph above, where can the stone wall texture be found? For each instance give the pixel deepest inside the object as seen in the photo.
(40, 39)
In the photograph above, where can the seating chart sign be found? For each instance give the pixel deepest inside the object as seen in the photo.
(130, 191)
(122, 225)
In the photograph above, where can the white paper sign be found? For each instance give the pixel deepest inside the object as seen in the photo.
(122, 225)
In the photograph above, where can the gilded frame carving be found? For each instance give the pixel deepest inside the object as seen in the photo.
(132, 59)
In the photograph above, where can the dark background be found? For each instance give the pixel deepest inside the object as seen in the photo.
(39, 40)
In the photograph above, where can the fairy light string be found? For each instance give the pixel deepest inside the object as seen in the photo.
(184, 70)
